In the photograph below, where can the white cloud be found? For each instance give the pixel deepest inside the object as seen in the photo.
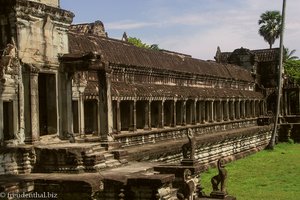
(196, 28)
(126, 25)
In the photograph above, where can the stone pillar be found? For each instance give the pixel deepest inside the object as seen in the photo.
(183, 113)
(34, 129)
(149, 115)
(132, 116)
(226, 114)
(199, 112)
(238, 109)
(1, 120)
(81, 114)
(161, 115)
(65, 104)
(146, 108)
(221, 111)
(232, 117)
(15, 120)
(173, 114)
(211, 110)
(105, 105)
(119, 124)
(194, 111)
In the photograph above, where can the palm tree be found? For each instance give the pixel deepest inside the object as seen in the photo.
(270, 28)
(289, 55)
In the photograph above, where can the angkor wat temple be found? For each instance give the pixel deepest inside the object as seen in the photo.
(76, 104)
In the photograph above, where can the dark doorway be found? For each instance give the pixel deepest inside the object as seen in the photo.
(8, 126)
(47, 104)
(91, 116)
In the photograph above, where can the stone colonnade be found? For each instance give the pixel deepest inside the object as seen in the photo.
(291, 101)
(130, 115)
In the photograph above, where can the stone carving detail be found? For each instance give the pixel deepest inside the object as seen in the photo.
(189, 186)
(190, 146)
(9, 63)
(80, 78)
(221, 178)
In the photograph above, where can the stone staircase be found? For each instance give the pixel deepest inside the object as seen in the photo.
(98, 158)
(77, 158)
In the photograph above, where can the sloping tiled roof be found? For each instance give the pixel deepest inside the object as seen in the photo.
(263, 55)
(123, 53)
(121, 89)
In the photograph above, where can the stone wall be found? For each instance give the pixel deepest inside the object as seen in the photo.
(16, 160)
(231, 145)
(152, 137)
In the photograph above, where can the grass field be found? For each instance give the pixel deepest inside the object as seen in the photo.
(267, 175)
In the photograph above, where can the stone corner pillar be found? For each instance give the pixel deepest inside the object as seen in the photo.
(105, 106)
(65, 112)
(33, 129)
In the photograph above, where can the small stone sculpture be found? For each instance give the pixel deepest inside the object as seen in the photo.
(189, 186)
(220, 178)
(190, 146)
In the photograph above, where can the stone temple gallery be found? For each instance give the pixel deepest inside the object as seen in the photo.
(86, 116)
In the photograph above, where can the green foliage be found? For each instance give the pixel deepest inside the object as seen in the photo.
(289, 55)
(138, 42)
(270, 26)
(292, 68)
(265, 175)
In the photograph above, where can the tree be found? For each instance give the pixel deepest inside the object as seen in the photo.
(270, 26)
(292, 68)
(138, 42)
(289, 55)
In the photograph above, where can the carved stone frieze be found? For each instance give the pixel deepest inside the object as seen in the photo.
(9, 64)
(26, 8)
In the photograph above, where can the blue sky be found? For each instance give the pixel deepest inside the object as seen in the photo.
(194, 27)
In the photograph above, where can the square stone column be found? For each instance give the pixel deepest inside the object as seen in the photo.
(147, 125)
(65, 104)
(183, 113)
(238, 109)
(119, 124)
(81, 115)
(105, 105)
(15, 119)
(211, 110)
(221, 109)
(161, 114)
(132, 116)
(33, 129)
(173, 113)
(194, 111)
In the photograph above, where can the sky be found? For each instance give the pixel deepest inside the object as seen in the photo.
(194, 27)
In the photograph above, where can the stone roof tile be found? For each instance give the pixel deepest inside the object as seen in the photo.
(122, 53)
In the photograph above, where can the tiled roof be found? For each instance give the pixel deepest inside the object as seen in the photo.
(121, 89)
(122, 53)
(263, 55)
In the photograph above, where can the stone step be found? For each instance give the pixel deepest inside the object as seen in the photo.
(98, 148)
(100, 167)
(112, 163)
(108, 156)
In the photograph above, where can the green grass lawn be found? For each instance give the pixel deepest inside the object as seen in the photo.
(267, 175)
